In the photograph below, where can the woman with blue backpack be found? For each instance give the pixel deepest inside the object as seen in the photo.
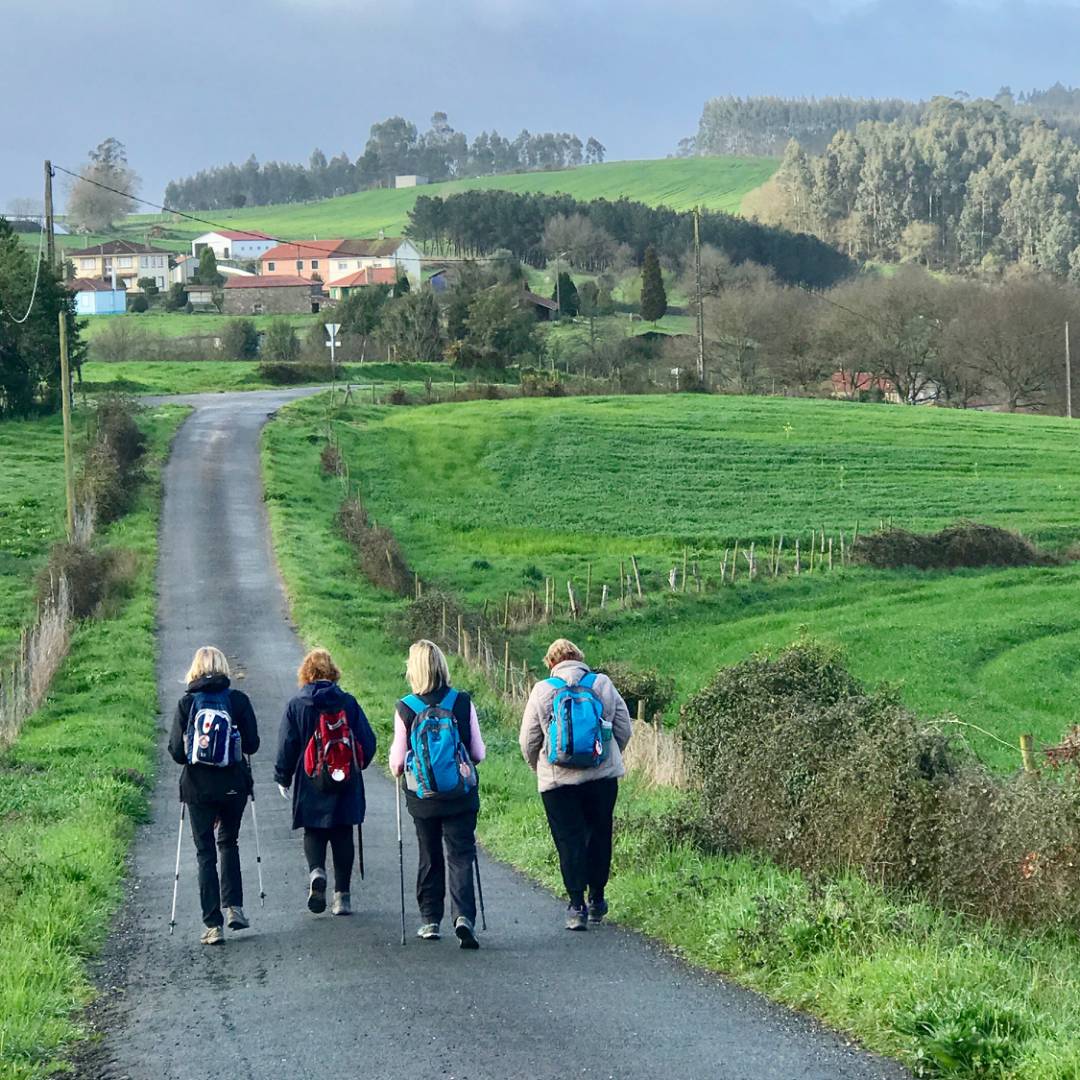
(324, 744)
(437, 746)
(214, 727)
(573, 732)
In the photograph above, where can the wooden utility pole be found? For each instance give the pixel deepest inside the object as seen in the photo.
(700, 309)
(50, 228)
(1068, 374)
(65, 399)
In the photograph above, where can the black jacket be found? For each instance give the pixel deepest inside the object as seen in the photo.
(314, 809)
(205, 783)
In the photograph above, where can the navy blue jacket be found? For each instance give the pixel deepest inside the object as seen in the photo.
(314, 809)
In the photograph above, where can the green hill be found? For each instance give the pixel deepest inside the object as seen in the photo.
(717, 183)
(648, 476)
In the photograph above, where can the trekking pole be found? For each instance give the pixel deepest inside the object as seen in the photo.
(176, 876)
(360, 848)
(258, 850)
(479, 891)
(400, 856)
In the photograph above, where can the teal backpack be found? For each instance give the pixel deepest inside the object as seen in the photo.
(437, 765)
(578, 737)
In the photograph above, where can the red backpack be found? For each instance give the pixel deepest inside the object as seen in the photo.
(331, 755)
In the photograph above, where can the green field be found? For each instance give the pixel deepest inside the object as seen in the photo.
(31, 515)
(681, 183)
(865, 962)
(218, 376)
(179, 324)
(74, 786)
(539, 488)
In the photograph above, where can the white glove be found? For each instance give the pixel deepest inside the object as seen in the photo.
(284, 791)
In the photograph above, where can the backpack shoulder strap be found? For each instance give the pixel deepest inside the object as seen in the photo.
(447, 702)
(414, 702)
(554, 680)
(588, 680)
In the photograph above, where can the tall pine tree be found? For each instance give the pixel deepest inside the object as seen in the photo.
(653, 293)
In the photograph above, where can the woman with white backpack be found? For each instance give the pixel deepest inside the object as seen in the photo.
(437, 746)
(213, 730)
(573, 732)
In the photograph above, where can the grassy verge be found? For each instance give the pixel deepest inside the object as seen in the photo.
(71, 790)
(31, 514)
(951, 997)
(218, 376)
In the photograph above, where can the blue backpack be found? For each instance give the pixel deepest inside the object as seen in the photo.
(578, 737)
(437, 765)
(212, 738)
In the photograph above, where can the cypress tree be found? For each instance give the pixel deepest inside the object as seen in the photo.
(653, 294)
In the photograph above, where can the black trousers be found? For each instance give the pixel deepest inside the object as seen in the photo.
(458, 834)
(340, 839)
(225, 816)
(580, 818)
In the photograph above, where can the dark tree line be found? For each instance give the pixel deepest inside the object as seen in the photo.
(394, 147)
(972, 186)
(478, 223)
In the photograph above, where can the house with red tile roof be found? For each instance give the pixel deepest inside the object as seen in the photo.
(331, 260)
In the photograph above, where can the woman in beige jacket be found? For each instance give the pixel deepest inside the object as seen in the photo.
(579, 797)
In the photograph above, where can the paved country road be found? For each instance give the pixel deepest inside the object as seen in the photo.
(302, 996)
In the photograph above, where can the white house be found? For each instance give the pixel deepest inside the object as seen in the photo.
(233, 244)
(187, 266)
(409, 180)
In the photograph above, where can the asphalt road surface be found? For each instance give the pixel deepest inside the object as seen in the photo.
(305, 996)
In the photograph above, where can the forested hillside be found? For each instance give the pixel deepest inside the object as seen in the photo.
(972, 185)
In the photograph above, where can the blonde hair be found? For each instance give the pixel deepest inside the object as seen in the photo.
(427, 667)
(318, 664)
(208, 661)
(562, 649)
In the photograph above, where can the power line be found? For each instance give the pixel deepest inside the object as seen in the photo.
(37, 278)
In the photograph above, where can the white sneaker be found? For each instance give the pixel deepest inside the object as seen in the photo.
(213, 935)
(429, 931)
(342, 904)
(235, 919)
(316, 901)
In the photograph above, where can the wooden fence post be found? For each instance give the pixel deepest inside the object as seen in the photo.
(460, 633)
(603, 597)
(588, 587)
(506, 666)
(684, 556)
(622, 582)
(637, 576)
(1027, 753)
(573, 600)
(465, 645)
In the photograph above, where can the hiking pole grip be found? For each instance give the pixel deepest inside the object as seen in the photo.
(176, 874)
(400, 854)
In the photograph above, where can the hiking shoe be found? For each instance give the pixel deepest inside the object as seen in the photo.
(316, 901)
(429, 931)
(597, 910)
(466, 933)
(235, 919)
(342, 904)
(213, 935)
(577, 918)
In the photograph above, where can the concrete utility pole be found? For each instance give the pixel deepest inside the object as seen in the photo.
(50, 231)
(65, 399)
(700, 309)
(1068, 374)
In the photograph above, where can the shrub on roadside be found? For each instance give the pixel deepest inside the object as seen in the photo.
(797, 760)
(293, 374)
(331, 462)
(377, 549)
(641, 684)
(112, 465)
(240, 341)
(423, 618)
(96, 579)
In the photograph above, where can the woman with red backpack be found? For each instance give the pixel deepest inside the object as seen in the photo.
(437, 746)
(324, 745)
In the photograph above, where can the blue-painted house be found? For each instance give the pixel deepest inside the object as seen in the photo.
(96, 296)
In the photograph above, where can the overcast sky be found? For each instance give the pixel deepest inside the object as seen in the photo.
(193, 84)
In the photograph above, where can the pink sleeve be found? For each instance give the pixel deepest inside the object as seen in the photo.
(477, 749)
(398, 746)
